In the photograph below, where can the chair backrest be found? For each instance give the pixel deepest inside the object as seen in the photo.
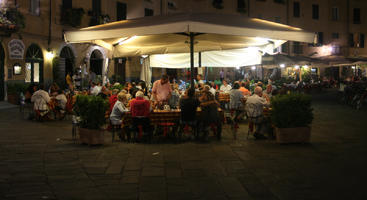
(251, 110)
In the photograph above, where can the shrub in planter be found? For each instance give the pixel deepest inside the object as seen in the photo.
(292, 115)
(14, 90)
(91, 110)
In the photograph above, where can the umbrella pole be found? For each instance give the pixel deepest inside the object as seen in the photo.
(192, 59)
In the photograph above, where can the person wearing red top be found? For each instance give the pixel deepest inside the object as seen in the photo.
(140, 110)
(113, 98)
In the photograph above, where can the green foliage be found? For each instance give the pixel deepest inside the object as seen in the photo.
(72, 16)
(291, 110)
(91, 110)
(17, 88)
(306, 76)
(16, 18)
(119, 87)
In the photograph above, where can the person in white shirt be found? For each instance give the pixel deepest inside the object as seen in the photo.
(95, 89)
(254, 109)
(41, 99)
(225, 87)
(61, 104)
(61, 99)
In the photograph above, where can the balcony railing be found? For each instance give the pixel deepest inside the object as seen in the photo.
(72, 16)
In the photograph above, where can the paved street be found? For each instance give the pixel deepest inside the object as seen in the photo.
(39, 161)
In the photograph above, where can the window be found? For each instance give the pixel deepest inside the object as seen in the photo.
(96, 6)
(315, 11)
(356, 16)
(320, 38)
(335, 13)
(279, 1)
(121, 11)
(335, 50)
(335, 35)
(296, 9)
(241, 6)
(67, 4)
(297, 48)
(351, 40)
(34, 8)
(216, 3)
(148, 12)
(361, 41)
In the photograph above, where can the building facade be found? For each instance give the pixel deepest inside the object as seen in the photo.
(38, 53)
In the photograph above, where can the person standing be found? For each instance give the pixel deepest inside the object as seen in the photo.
(221, 75)
(69, 80)
(162, 90)
(77, 80)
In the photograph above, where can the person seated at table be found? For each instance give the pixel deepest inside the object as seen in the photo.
(61, 103)
(118, 110)
(29, 92)
(95, 89)
(105, 93)
(40, 98)
(254, 109)
(209, 115)
(54, 88)
(244, 89)
(225, 87)
(140, 111)
(113, 98)
(236, 101)
(210, 88)
(267, 94)
(162, 90)
(188, 104)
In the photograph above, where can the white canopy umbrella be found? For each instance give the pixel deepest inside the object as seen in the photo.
(188, 33)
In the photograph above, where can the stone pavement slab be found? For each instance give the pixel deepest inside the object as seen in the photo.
(39, 161)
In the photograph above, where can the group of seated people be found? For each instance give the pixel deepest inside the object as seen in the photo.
(140, 102)
(45, 102)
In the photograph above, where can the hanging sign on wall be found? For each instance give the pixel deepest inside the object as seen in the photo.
(16, 49)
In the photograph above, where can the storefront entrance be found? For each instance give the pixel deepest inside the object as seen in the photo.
(66, 64)
(2, 59)
(34, 65)
(120, 73)
(96, 62)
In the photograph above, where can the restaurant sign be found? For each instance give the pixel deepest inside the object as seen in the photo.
(16, 49)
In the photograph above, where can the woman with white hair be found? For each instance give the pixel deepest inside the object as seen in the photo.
(119, 109)
(140, 110)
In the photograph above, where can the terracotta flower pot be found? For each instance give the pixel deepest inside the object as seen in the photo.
(13, 99)
(293, 135)
(91, 136)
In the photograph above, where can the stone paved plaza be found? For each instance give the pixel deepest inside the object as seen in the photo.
(39, 161)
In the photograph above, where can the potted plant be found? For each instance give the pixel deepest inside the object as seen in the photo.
(91, 110)
(14, 90)
(292, 116)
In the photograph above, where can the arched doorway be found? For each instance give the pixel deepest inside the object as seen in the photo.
(96, 62)
(66, 65)
(2, 59)
(34, 64)
(67, 58)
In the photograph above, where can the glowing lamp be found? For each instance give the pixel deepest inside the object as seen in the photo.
(49, 55)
